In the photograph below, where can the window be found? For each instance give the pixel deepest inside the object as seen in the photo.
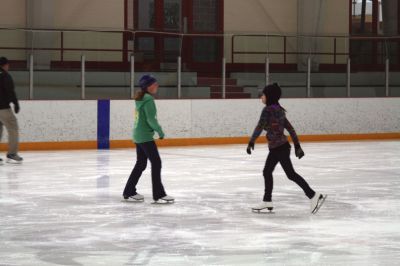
(146, 15)
(362, 17)
(205, 15)
(376, 18)
(172, 15)
(205, 49)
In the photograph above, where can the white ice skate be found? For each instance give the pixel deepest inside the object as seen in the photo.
(264, 205)
(134, 198)
(316, 202)
(164, 200)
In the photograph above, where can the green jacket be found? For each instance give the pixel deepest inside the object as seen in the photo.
(146, 120)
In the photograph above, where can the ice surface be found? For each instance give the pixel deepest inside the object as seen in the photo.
(65, 208)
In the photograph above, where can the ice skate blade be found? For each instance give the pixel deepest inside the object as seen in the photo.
(263, 210)
(319, 205)
(161, 202)
(10, 161)
(132, 201)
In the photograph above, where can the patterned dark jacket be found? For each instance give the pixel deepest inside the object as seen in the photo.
(273, 120)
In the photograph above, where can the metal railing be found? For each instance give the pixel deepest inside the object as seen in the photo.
(285, 50)
(339, 45)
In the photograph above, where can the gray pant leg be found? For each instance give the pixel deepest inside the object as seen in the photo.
(1, 130)
(8, 119)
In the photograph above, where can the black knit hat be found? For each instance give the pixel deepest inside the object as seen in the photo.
(273, 93)
(146, 81)
(3, 61)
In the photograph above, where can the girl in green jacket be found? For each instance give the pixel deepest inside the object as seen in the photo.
(146, 125)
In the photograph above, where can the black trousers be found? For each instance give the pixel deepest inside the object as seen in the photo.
(144, 151)
(281, 155)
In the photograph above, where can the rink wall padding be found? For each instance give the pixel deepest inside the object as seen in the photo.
(90, 124)
(103, 124)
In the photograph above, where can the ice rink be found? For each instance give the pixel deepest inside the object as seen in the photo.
(64, 208)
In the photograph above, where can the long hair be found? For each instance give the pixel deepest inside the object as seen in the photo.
(139, 95)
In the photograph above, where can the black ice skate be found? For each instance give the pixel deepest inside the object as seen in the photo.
(265, 205)
(14, 159)
(317, 201)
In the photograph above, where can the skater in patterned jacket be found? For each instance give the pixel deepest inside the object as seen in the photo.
(146, 125)
(274, 121)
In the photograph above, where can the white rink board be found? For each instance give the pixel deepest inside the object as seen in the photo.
(344, 116)
(229, 118)
(57, 121)
(237, 118)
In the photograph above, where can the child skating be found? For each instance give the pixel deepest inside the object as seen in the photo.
(146, 125)
(273, 120)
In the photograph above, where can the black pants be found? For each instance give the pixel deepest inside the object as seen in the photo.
(144, 151)
(281, 155)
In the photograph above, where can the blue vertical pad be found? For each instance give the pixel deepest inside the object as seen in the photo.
(103, 124)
